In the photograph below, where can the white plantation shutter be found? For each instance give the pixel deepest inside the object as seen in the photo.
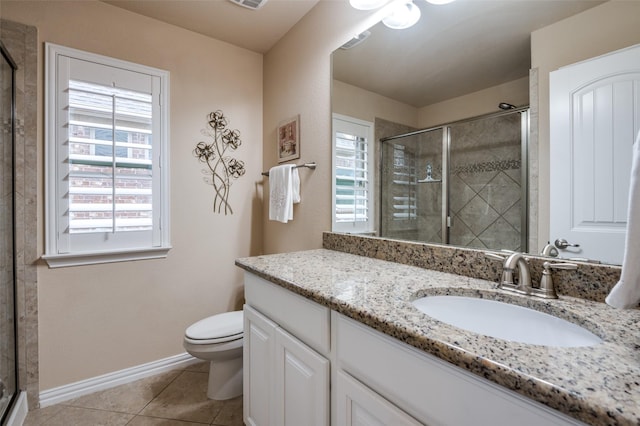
(404, 182)
(352, 175)
(107, 162)
(110, 158)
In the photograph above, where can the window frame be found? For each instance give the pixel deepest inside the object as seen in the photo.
(368, 226)
(55, 229)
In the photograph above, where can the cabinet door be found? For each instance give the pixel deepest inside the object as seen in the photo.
(357, 405)
(258, 358)
(302, 383)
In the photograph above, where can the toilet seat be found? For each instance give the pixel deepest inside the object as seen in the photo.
(219, 328)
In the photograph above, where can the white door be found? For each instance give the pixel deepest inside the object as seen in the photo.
(594, 119)
(357, 405)
(302, 383)
(258, 361)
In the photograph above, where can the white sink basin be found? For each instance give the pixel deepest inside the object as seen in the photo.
(505, 321)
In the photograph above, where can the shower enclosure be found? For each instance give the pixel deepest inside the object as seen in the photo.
(8, 359)
(463, 183)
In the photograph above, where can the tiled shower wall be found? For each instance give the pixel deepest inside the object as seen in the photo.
(485, 198)
(21, 42)
(485, 171)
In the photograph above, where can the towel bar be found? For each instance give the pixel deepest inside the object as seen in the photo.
(311, 166)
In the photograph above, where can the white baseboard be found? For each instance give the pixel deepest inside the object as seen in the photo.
(19, 411)
(74, 390)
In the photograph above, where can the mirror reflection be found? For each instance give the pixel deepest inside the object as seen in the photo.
(463, 180)
(461, 184)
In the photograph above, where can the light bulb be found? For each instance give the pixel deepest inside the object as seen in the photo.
(366, 4)
(403, 16)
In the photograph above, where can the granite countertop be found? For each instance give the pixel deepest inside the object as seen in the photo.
(599, 385)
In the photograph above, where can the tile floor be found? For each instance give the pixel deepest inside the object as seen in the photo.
(174, 398)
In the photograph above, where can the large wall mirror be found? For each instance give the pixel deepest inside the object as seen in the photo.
(430, 92)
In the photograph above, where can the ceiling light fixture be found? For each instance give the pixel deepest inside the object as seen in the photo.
(403, 15)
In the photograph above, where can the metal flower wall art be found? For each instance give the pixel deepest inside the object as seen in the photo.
(222, 169)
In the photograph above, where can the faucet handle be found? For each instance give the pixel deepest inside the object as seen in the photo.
(559, 265)
(495, 256)
(547, 289)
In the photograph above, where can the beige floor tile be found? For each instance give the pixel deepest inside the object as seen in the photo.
(201, 367)
(230, 414)
(153, 421)
(74, 416)
(185, 399)
(40, 416)
(128, 398)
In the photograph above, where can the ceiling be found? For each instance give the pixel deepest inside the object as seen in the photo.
(455, 49)
(257, 30)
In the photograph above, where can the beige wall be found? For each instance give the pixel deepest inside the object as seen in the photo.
(605, 28)
(474, 104)
(99, 319)
(297, 80)
(353, 101)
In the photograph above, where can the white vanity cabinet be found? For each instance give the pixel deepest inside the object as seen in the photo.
(286, 381)
(427, 388)
(357, 405)
(293, 346)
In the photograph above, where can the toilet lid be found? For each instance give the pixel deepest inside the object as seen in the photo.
(217, 326)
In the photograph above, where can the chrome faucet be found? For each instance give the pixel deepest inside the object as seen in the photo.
(519, 261)
(511, 261)
(524, 274)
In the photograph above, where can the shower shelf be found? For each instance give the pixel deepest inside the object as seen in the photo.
(429, 178)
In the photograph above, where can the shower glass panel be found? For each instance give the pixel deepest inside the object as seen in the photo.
(8, 382)
(411, 187)
(461, 183)
(486, 197)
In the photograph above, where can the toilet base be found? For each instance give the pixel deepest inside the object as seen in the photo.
(225, 379)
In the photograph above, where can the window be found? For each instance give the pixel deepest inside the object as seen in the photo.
(106, 159)
(404, 184)
(353, 177)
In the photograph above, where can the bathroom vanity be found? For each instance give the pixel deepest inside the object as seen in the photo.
(333, 338)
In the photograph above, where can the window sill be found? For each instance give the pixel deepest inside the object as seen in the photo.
(93, 258)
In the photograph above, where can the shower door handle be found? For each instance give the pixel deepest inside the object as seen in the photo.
(3, 390)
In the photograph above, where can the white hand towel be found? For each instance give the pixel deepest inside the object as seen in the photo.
(284, 191)
(626, 293)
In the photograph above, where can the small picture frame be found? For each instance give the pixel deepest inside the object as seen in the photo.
(288, 134)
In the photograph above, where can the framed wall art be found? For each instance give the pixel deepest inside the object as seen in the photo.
(289, 139)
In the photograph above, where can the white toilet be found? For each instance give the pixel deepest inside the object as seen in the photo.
(219, 339)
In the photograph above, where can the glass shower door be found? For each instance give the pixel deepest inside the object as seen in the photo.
(8, 381)
(411, 187)
(487, 195)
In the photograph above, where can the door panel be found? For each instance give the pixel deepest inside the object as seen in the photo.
(595, 116)
(259, 341)
(302, 383)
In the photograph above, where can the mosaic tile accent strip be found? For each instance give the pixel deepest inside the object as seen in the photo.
(488, 166)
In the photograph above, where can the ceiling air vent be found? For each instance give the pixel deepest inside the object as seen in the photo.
(250, 4)
(356, 40)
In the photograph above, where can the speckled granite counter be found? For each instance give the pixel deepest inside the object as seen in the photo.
(598, 385)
